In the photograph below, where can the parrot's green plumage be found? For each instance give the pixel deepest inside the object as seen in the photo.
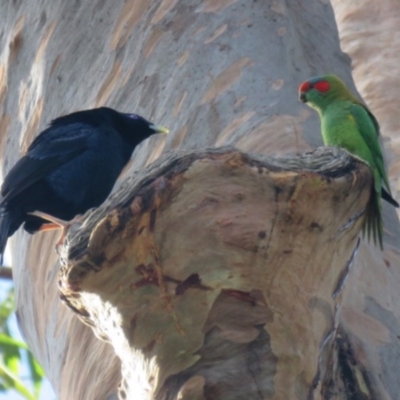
(347, 122)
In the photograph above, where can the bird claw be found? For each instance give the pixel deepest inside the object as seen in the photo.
(56, 223)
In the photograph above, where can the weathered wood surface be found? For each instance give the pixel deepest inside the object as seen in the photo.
(222, 272)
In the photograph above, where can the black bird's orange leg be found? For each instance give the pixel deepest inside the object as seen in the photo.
(48, 227)
(55, 223)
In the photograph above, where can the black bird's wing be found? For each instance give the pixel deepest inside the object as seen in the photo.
(50, 150)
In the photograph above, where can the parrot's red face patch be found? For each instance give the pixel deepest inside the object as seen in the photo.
(322, 86)
(304, 87)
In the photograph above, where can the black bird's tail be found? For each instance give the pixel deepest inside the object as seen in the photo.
(388, 197)
(373, 224)
(5, 222)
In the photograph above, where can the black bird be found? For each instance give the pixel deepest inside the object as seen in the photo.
(69, 168)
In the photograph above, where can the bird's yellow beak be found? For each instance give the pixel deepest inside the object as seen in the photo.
(159, 129)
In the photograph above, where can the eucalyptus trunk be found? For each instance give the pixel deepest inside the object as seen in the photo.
(231, 267)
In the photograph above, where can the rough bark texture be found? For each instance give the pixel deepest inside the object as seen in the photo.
(209, 273)
(216, 72)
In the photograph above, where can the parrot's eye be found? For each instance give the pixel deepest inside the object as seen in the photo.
(322, 86)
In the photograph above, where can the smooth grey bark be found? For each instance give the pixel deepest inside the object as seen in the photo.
(216, 73)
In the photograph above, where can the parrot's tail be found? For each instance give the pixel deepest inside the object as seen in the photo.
(373, 224)
(388, 197)
(5, 223)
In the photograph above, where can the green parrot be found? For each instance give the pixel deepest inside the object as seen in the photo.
(346, 122)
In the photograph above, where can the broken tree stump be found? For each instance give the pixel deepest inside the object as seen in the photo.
(218, 274)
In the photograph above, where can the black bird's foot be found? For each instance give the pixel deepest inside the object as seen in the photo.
(56, 223)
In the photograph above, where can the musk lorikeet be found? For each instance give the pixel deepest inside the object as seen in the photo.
(348, 123)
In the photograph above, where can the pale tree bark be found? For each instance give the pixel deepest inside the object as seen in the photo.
(214, 274)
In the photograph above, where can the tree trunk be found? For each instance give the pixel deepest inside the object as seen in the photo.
(214, 274)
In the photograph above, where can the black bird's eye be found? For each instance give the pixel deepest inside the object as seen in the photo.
(133, 116)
